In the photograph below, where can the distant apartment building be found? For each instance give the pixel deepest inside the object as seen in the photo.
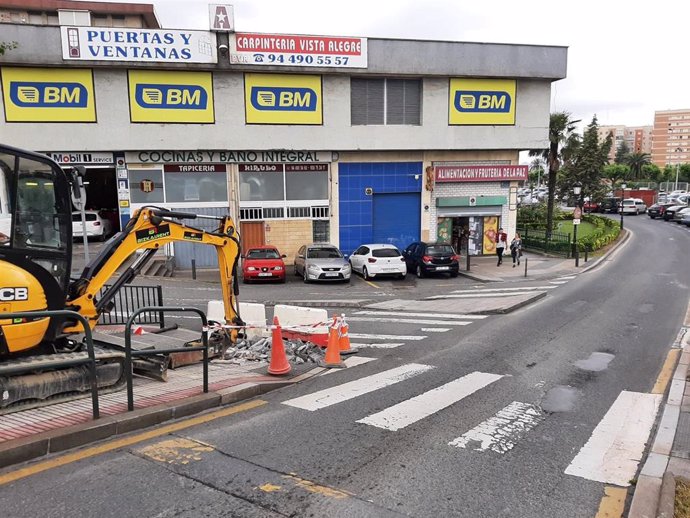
(671, 137)
(638, 138)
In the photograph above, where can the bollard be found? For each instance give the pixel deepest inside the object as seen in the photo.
(193, 269)
(468, 260)
(525, 267)
(586, 254)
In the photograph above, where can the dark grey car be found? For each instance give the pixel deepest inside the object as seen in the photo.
(322, 262)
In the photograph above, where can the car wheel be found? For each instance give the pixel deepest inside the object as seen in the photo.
(347, 281)
(652, 217)
(453, 274)
(637, 212)
(365, 273)
(420, 272)
(296, 271)
(283, 279)
(245, 280)
(401, 277)
(305, 277)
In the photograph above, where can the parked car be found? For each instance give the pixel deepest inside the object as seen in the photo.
(657, 210)
(425, 258)
(686, 219)
(322, 262)
(591, 206)
(96, 226)
(610, 205)
(633, 206)
(680, 214)
(263, 263)
(378, 260)
(670, 212)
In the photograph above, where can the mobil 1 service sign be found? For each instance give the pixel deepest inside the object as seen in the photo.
(294, 50)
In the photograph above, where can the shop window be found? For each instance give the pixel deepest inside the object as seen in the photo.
(321, 231)
(146, 185)
(385, 101)
(201, 187)
(307, 186)
(261, 186)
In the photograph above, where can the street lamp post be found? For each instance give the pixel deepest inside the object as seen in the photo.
(577, 214)
(675, 186)
(623, 186)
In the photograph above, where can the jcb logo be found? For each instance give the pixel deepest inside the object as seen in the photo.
(189, 97)
(48, 95)
(273, 98)
(482, 102)
(13, 294)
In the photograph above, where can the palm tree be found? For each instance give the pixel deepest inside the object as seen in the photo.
(537, 168)
(636, 161)
(562, 141)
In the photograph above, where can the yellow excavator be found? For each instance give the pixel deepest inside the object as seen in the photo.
(35, 266)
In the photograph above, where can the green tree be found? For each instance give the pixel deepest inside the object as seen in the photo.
(586, 165)
(562, 141)
(621, 152)
(636, 161)
(615, 173)
(652, 172)
(536, 171)
(6, 46)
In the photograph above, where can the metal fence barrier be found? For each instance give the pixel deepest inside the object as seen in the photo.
(129, 354)
(535, 239)
(73, 362)
(130, 299)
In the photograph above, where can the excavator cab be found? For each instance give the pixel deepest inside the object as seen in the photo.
(35, 245)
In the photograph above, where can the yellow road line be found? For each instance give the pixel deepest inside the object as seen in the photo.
(371, 283)
(63, 460)
(666, 371)
(612, 503)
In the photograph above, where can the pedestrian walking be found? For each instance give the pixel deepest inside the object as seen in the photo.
(516, 248)
(501, 243)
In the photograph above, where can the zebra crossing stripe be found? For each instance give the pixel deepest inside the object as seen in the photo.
(567, 278)
(478, 295)
(350, 361)
(435, 329)
(502, 431)
(423, 315)
(558, 282)
(339, 393)
(617, 444)
(496, 290)
(390, 345)
(366, 336)
(408, 321)
(421, 406)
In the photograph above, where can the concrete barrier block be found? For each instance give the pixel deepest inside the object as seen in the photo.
(299, 316)
(253, 315)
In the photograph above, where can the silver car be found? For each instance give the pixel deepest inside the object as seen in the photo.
(322, 262)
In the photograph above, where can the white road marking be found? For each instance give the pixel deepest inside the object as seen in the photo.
(353, 389)
(365, 336)
(490, 290)
(421, 406)
(479, 295)
(407, 321)
(558, 282)
(350, 361)
(424, 315)
(567, 278)
(390, 345)
(616, 445)
(435, 329)
(502, 431)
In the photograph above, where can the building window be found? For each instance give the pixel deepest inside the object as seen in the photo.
(385, 101)
(321, 231)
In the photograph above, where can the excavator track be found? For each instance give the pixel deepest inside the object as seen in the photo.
(49, 382)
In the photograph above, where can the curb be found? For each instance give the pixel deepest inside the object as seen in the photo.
(518, 305)
(56, 441)
(321, 304)
(623, 240)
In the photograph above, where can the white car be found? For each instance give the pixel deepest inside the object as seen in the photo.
(633, 206)
(378, 260)
(96, 226)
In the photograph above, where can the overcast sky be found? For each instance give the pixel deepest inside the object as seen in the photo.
(625, 60)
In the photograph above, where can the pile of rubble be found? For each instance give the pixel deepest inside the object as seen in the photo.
(247, 351)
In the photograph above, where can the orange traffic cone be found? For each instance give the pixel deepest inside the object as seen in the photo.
(332, 359)
(279, 363)
(344, 338)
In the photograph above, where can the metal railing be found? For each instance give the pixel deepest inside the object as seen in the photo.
(73, 362)
(536, 239)
(130, 299)
(129, 354)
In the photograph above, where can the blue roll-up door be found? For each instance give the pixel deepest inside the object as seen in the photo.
(397, 218)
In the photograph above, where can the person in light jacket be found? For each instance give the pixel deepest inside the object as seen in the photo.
(516, 248)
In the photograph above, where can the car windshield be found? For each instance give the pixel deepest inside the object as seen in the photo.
(439, 250)
(263, 254)
(323, 253)
(385, 252)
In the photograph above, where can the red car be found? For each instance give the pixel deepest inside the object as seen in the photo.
(591, 206)
(263, 263)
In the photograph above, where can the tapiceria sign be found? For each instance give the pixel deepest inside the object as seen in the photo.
(480, 173)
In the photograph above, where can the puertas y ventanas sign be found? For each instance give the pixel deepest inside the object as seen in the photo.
(480, 173)
(152, 45)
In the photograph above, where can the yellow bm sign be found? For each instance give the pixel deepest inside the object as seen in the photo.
(171, 97)
(482, 102)
(282, 99)
(48, 95)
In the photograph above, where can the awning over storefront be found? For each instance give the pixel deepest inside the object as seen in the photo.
(453, 212)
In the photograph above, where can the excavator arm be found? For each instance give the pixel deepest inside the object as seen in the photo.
(149, 230)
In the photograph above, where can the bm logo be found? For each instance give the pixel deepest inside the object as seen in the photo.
(188, 97)
(482, 102)
(282, 98)
(30, 94)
